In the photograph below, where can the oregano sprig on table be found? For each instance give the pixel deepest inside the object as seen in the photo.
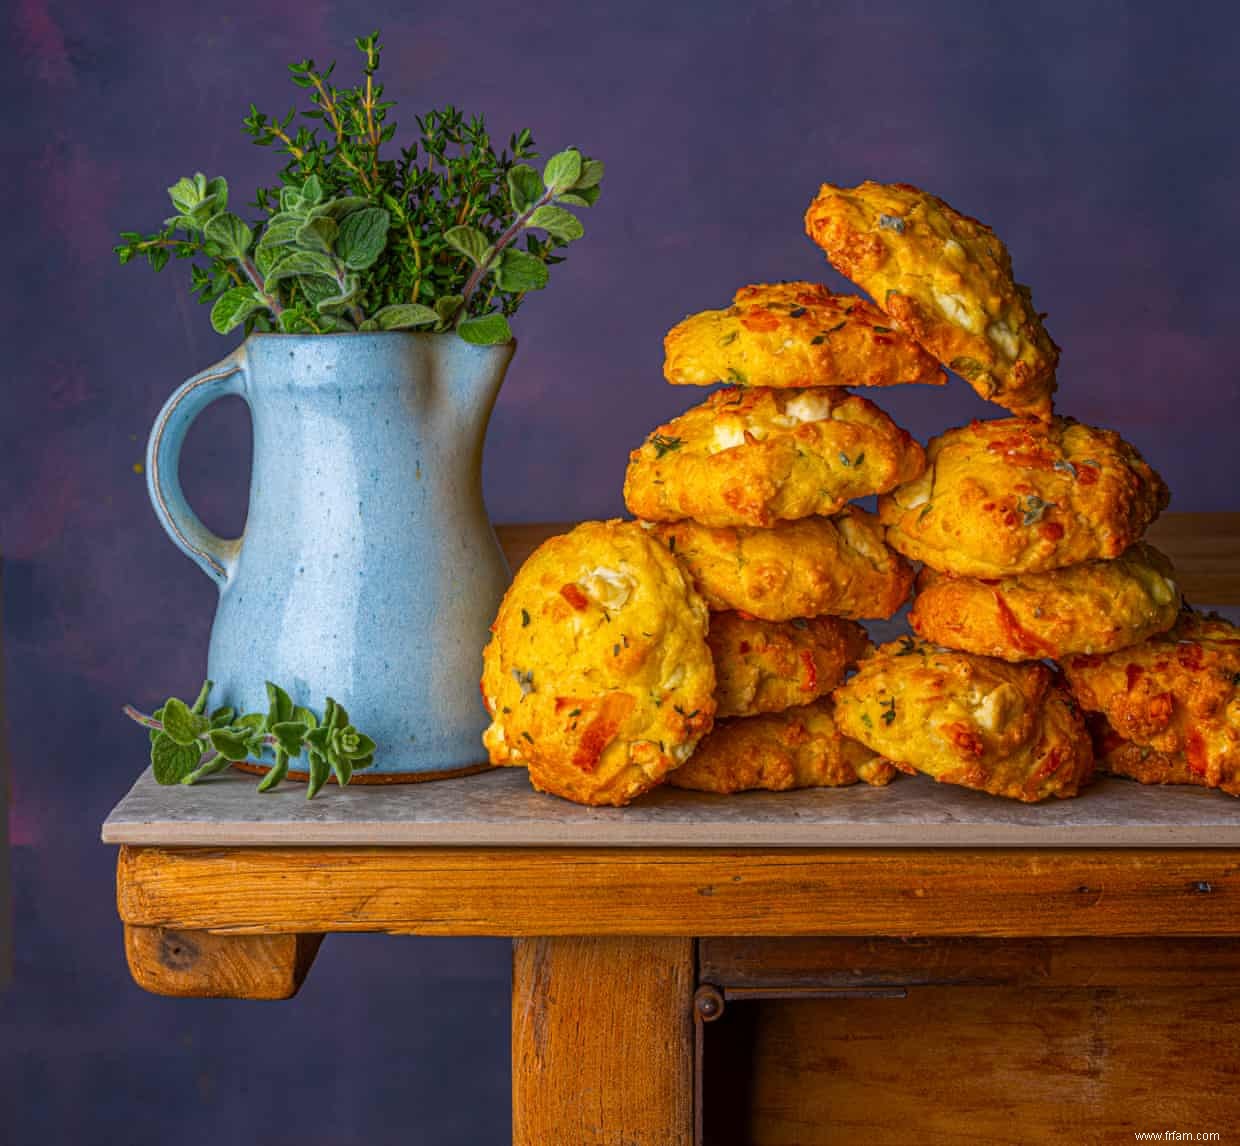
(450, 235)
(189, 744)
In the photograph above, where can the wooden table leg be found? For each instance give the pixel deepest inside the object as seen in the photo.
(202, 964)
(602, 1041)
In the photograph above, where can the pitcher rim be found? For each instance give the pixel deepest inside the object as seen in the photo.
(281, 334)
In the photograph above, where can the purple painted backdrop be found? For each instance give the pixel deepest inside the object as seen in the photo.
(1098, 138)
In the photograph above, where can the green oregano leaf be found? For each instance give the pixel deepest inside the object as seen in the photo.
(200, 701)
(231, 234)
(562, 170)
(276, 773)
(558, 223)
(299, 263)
(343, 768)
(319, 771)
(402, 316)
(289, 734)
(524, 187)
(233, 307)
(186, 194)
(470, 242)
(172, 762)
(234, 745)
(338, 208)
(519, 271)
(486, 330)
(362, 237)
(591, 174)
(318, 234)
(311, 190)
(181, 725)
(279, 705)
(448, 306)
(586, 197)
(207, 768)
(333, 304)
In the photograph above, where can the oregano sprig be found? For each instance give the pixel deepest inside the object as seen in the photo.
(450, 235)
(189, 744)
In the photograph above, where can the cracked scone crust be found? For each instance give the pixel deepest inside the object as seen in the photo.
(1094, 607)
(1016, 495)
(755, 457)
(768, 666)
(1007, 729)
(1177, 694)
(794, 334)
(799, 748)
(1146, 765)
(946, 280)
(597, 676)
(838, 565)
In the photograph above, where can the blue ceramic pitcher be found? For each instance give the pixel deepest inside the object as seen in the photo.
(368, 569)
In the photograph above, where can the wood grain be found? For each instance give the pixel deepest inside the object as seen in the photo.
(1001, 1066)
(684, 891)
(602, 1041)
(519, 540)
(841, 962)
(200, 964)
(1205, 549)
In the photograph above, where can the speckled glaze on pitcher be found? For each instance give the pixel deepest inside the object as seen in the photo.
(368, 569)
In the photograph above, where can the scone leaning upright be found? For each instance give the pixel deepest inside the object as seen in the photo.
(946, 280)
(598, 677)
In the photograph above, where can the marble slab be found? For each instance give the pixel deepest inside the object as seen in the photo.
(499, 809)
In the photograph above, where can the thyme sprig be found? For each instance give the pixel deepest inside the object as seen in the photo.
(451, 234)
(188, 743)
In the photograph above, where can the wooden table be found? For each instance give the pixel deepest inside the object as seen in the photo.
(911, 964)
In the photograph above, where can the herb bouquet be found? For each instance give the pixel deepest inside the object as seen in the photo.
(448, 235)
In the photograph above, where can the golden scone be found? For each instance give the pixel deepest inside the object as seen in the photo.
(755, 457)
(799, 748)
(1176, 693)
(597, 675)
(838, 565)
(1094, 607)
(794, 334)
(946, 280)
(1007, 729)
(1020, 496)
(1120, 757)
(767, 666)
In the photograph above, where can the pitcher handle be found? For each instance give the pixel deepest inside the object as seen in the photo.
(215, 556)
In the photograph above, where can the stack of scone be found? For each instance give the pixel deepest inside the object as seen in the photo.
(1029, 533)
(707, 644)
(750, 489)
